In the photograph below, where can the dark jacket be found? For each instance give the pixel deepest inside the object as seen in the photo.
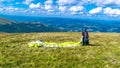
(85, 34)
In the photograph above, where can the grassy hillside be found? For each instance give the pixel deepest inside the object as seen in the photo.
(104, 51)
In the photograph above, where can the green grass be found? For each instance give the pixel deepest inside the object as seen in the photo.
(104, 51)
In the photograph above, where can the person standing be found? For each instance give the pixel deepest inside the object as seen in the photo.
(85, 37)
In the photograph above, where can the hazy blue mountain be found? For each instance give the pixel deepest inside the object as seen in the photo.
(5, 21)
(72, 24)
(12, 26)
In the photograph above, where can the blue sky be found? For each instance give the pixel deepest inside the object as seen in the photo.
(84, 8)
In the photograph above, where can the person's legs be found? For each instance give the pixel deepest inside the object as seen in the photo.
(85, 41)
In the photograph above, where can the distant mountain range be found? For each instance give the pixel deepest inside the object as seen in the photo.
(12, 27)
(62, 24)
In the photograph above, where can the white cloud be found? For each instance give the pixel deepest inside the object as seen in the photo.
(48, 5)
(1, 9)
(34, 5)
(27, 2)
(48, 2)
(76, 8)
(50, 10)
(106, 2)
(5, 1)
(33, 11)
(10, 8)
(62, 8)
(110, 11)
(74, 13)
(66, 2)
(95, 10)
